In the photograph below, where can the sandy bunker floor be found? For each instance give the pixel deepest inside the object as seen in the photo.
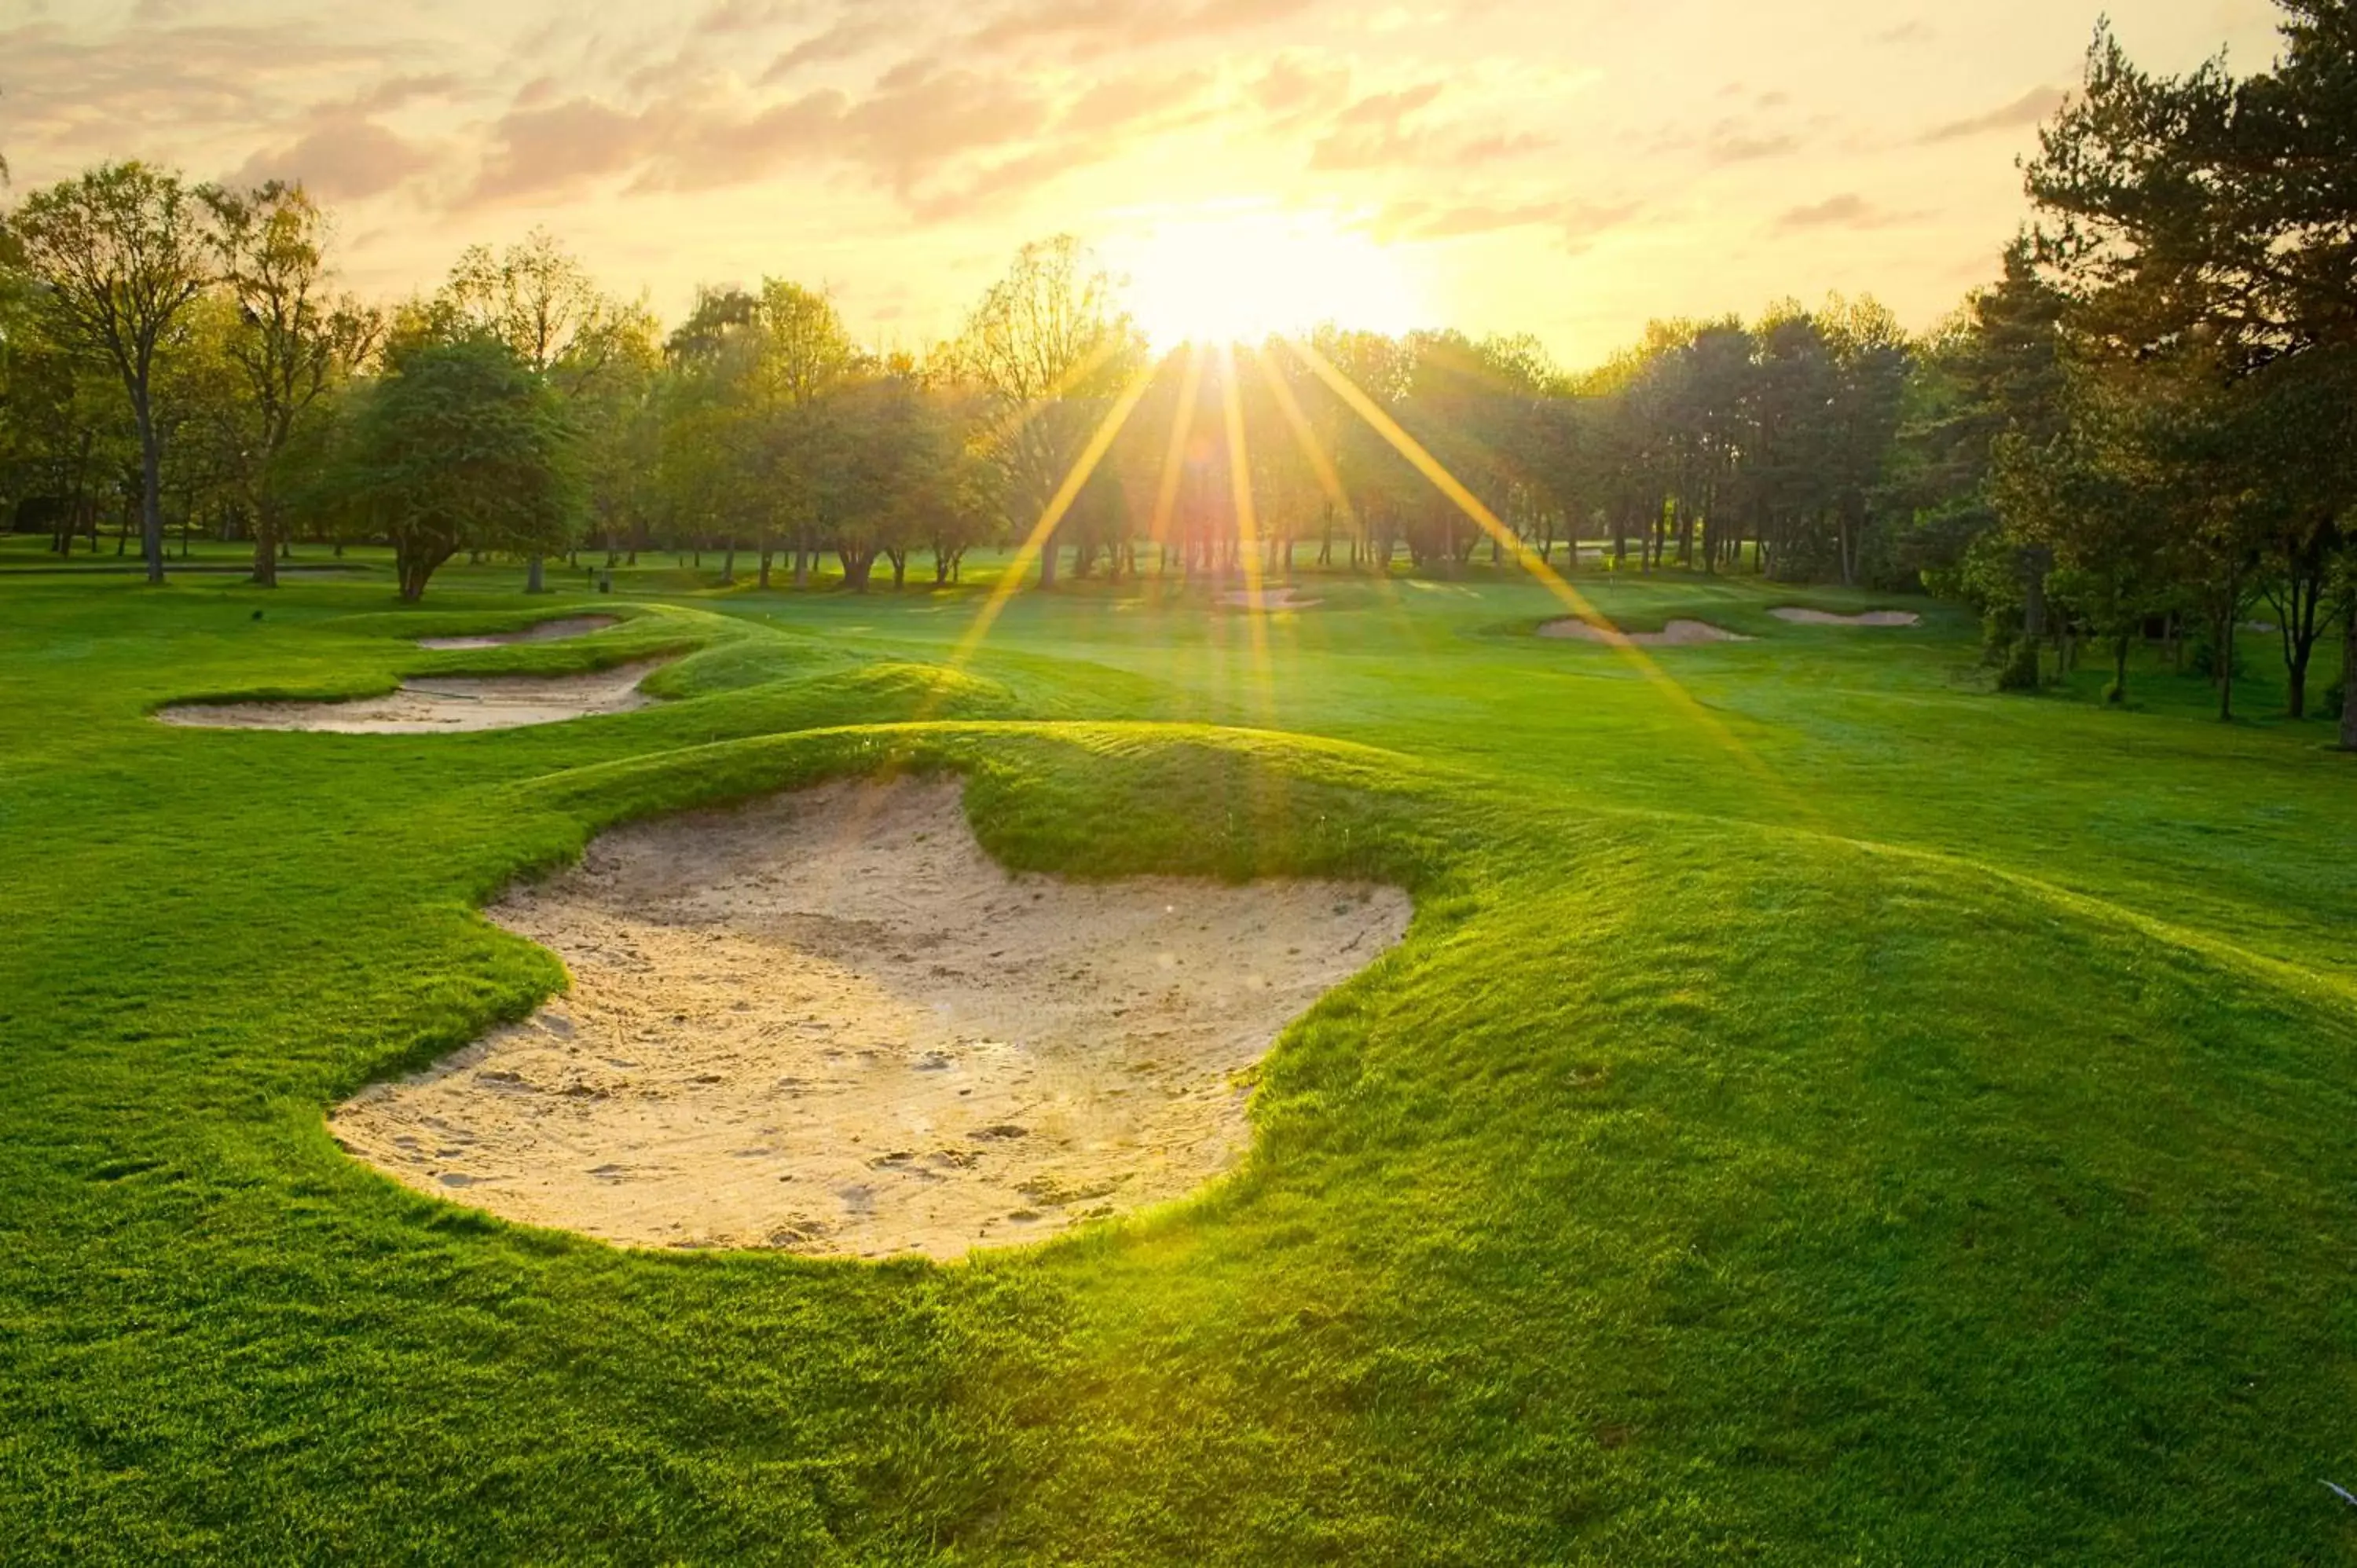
(1267, 599)
(1799, 617)
(830, 1023)
(1677, 634)
(546, 631)
(438, 705)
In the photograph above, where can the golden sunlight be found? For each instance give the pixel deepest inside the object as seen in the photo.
(1243, 277)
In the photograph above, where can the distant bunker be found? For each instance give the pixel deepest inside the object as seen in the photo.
(1268, 600)
(439, 704)
(1799, 616)
(545, 632)
(829, 1022)
(1678, 633)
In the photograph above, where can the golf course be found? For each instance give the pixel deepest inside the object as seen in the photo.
(1818, 1110)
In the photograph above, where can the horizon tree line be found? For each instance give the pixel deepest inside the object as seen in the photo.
(2142, 429)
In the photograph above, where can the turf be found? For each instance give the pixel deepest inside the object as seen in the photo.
(1823, 1111)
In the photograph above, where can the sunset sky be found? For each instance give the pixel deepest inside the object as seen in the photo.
(1566, 167)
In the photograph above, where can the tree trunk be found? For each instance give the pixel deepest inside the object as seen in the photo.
(535, 578)
(265, 544)
(1048, 563)
(765, 567)
(2348, 677)
(151, 486)
(2226, 667)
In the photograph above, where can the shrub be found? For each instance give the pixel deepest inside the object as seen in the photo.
(2019, 672)
(2201, 658)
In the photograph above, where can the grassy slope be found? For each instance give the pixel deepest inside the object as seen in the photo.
(1936, 1150)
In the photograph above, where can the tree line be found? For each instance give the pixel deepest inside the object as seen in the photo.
(2142, 428)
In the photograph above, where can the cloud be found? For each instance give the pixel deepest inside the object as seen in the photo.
(549, 151)
(1118, 102)
(400, 91)
(846, 39)
(1849, 210)
(1101, 26)
(344, 160)
(156, 89)
(1581, 220)
(1739, 147)
(732, 16)
(941, 140)
(1293, 88)
(2027, 110)
(1917, 31)
(1374, 132)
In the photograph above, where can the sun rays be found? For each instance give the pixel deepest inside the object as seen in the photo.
(1194, 361)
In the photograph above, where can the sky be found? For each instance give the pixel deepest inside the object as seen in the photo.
(1566, 168)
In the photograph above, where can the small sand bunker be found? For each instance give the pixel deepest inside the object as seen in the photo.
(1678, 633)
(439, 705)
(1267, 599)
(1799, 617)
(830, 1023)
(546, 631)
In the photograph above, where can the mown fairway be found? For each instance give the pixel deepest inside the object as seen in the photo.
(1933, 1142)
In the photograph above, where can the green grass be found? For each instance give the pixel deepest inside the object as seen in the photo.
(1930, 1141)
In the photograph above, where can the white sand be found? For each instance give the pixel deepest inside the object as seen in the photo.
(1267, 599)
(437, 705)
(1677, 634)
(546, 631)
(830, 1023)
(1825, 617)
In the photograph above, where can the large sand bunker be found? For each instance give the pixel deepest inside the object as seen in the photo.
(1267, 599)
(830, 1023)
(441, 704)
(1678, 633)
(546, 631)
(1799, 617)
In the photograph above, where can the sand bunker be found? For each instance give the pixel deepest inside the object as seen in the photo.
(1826, 618)
(1678, 633)
(830, 1023)
(546, 631)
(1267, 599)
(438, 705)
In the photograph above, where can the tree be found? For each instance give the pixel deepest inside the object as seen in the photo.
(1996, 367)
(2091, 504)
(120, 252)
(460, 446)
(540, 300)
(1048, 347)
(2200, 230)
(295, 340)
(802, 357)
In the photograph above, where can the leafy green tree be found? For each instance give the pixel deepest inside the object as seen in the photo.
(541, 301)
(1995, 369)
(2095, 511)
(2200, 228)
(1048, 346)
(296, 339)
(459, 446)
(119, 253)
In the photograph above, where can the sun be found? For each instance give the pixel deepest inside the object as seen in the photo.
(1240, 277)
